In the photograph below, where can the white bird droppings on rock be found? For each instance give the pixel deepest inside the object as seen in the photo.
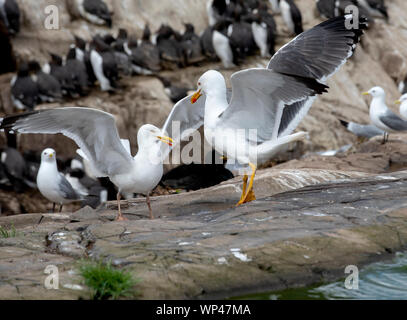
(241, 256)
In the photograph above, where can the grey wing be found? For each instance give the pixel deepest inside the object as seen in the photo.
(320, 51)
(183, 119)
(393, 121)
(94, 131)
(259, 97)
(317, 53)
(364, 131)
(66, 189)
(293, 115)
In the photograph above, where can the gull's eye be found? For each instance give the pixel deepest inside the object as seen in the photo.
(199, 83)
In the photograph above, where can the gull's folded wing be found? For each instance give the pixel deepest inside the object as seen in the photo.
(94, 131)
(393, 121)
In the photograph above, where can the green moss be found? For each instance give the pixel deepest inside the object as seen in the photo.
(106, 281)
(8, 233)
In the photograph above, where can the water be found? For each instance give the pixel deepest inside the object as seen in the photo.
(379, 281)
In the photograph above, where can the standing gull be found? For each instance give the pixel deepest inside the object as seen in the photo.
(52, 184)
(381, 116)
(403, 106)
(95, 132)
(271, 100)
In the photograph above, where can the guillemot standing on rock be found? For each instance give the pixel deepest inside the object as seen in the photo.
(24, 91)
(83, 54)
(48, 86)
(241, 36)
(78, 72)
(145, 55)
(171, 51)
(292, 16)
(60, 72)
(104, 65)
(222, 45)
(264, 30)
(191, 44)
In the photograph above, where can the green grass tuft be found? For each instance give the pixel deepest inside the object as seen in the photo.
(8, 233)
(105, 281)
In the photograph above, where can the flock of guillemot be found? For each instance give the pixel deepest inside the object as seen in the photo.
(236, 30)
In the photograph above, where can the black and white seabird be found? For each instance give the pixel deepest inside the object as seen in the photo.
(123, 59)
(191, 44)
(95, 11)
(171, 51)
(104, 65)
(83, 54)
(78, 72)
(62, 74)
(264, 30)
(207, 44)
(222, 45)
(292, 16)
(10, 15)
(240, 36)
(24, 91)
(14, 165)
(145, 55)
(48, 86)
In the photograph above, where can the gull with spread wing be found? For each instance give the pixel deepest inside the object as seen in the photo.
(96, 134)
(271, 100)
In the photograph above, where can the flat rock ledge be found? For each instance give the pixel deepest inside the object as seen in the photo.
(304, 231)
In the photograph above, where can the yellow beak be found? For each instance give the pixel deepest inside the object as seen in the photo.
(397, 102)
(196, 96)
(166, 140)
(51, 155)
(365, 93)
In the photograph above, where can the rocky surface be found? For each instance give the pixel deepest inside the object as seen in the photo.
(201, 246)
(313, 216)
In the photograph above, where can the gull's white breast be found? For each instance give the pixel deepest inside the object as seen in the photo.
(377, 109)
(47, 183)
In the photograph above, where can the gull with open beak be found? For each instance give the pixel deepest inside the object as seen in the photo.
(256, 119)
(96, 134)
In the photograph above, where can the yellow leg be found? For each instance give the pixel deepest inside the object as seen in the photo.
(245, 178)
(250, 193)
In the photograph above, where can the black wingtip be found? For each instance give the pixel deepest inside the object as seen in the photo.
(8, 122)
(344, 123)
